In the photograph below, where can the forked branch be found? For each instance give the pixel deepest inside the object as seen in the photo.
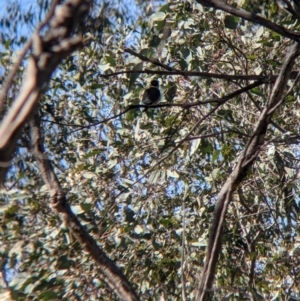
(240, 171)
(47, 52)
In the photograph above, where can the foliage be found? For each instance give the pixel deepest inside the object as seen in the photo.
(144, 184)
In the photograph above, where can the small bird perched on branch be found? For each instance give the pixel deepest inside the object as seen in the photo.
(152, 94)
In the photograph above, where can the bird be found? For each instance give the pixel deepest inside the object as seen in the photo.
(152, 94)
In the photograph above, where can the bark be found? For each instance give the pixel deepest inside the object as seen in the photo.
(218, 4)
(47, 52)
(240, 171)
(111, 274)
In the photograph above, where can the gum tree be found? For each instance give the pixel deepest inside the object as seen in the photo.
(195, 197)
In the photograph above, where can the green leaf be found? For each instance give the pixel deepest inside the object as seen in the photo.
(183, 64)
(86, 207)
(170, 92)
(257, 91)
(154, 42)
(165, 8)
(48, 295)
(131, 115)
(63, 263)
(148, 52)
(166, 221)
(266, 42)
(134, 76)
(231, 22)
(110, 60)
(185, 52)
(93, 153)
(252, 57)
(206, 146)
(215, 156)
(96, 86)
(160, 25)
(276, 36)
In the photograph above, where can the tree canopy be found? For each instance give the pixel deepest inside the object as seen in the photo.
(193, 198)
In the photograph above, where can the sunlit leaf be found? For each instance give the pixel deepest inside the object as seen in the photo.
(138, 229)
(195, 145)
(158, 16)
(172, 174)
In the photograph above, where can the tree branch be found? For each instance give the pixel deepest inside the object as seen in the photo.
(290, 9)
(47, 52)
(112, 275)
(240, 171)
(17, 64)
(265, 78)
(219, 100)
(218, 4)
(151, 60)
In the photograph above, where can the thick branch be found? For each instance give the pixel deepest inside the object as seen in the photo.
(47, 53)
(17, 64)
(240, 171)
(112, 275)
(218, 4)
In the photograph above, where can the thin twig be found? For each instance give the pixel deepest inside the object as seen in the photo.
(151, 60)
(264, 78)
(183, 105)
